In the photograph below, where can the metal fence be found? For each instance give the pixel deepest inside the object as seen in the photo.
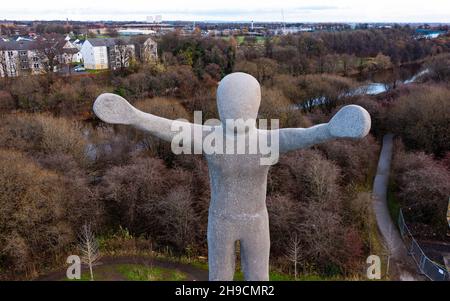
(429, 268)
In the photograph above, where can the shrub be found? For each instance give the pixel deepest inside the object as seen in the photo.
(317, 179)
(422, 118)
(357, 159)
(423, 186)
(81, 204)
(7, 102)
(274, 105)
(284, 219)
(43, 133)
(321, 234)
(29, 93)
(439, 68)
(148, 199)
(164, 107)
(32, 218)
(305, 90)
(170, 108)
(110, 147)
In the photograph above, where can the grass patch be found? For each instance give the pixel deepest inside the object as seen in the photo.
(132, 272)
(135, 272)
(94, 71)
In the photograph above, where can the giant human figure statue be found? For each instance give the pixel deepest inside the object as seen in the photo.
(238, 182)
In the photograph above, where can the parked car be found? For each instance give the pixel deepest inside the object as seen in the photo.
(79, 69)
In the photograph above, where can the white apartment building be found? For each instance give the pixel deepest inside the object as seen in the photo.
(114, 53)
(95, 53)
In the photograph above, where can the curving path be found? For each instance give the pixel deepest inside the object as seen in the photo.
(402, 267)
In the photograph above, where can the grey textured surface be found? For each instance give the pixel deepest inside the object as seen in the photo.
(402, 267)
(238, 182)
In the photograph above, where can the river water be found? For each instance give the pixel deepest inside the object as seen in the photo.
(377, 83)
(383, 81)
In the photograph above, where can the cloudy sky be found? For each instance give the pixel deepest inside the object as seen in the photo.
(232, 10)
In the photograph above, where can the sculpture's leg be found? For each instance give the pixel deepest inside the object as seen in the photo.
(221, 249)
(255, 250)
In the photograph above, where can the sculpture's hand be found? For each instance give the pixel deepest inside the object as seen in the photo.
(112, 108)
(350, 122)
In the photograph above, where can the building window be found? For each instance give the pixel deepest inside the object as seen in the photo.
(10, 53)
(23, 53)
(36, 66)
(35, 59)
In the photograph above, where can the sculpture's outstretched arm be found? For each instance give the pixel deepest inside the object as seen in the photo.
(112, 108)
(350, 122)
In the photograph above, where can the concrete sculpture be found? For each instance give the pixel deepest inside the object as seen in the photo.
(238, 181)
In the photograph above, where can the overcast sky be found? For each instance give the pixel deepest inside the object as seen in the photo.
(232, 10)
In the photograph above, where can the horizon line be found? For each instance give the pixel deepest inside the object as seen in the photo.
(227, 21)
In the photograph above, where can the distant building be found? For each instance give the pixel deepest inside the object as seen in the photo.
(114, 53)
(96, 53)
(135, 32)
(149, 51)
(70, 53)
(99, 30)
(22, 57)
(19, 58)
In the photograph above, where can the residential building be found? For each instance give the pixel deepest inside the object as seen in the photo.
(149, 51)
(100, 54)
(19, 58)
(114, 53)
(70, 53)
(23, 57)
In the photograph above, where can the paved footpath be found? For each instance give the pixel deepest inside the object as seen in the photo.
(402, 267)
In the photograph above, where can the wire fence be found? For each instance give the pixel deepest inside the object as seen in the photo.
(429, 268)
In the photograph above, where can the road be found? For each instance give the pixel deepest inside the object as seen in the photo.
(402, 267)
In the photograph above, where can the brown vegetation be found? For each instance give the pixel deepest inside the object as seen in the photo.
(422, 118)
(422, 187)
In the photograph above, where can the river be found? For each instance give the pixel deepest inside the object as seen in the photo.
(383, 81)
(376, 83)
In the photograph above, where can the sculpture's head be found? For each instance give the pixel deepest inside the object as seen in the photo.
(238, 97)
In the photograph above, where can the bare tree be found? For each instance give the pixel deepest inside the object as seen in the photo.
(89, 248)
(3, 64)
(140, 48)
(8, 64)
(49, 50)
(124, 53)
(293, 252)
(67, 57)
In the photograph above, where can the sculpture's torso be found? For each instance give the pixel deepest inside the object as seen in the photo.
(238, 184)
